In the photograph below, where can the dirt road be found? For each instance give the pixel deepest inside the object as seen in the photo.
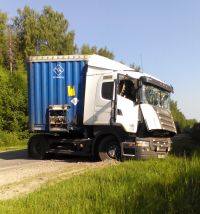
(20, 175)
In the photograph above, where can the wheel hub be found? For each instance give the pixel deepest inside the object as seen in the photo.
(113, 151)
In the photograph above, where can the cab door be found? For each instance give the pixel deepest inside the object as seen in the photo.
(126, 109)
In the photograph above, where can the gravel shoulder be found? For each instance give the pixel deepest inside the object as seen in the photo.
(20, 175)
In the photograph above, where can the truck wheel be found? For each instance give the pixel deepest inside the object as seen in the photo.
(109, 149)
(37, 147)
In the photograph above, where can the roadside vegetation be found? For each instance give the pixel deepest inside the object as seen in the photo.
(13, 110)
(185, 146)
(13, 140)
(154, 186)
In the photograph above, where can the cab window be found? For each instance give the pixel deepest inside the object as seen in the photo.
(107, 90)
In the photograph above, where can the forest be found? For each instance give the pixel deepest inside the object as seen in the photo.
(45, 33)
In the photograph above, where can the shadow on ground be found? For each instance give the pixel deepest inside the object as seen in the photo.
(23, 155)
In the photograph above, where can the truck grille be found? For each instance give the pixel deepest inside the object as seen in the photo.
(166, 120)
(160, 144)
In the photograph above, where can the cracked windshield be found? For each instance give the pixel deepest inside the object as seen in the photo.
(155, 96)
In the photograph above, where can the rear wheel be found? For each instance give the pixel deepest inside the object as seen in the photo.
(37, 146)
(109, 149)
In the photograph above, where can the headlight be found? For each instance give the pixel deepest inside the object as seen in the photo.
(142, 143)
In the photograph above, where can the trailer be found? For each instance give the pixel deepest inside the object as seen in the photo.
(93, 106)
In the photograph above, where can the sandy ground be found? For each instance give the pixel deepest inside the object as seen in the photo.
(20, 175)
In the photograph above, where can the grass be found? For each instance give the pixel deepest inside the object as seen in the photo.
(154, 186)
(12, 148)
(13, 140)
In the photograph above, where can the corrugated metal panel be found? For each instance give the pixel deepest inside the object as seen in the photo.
(55, 83)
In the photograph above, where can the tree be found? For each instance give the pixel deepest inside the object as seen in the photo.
(13, 101)
(86, 49)
(190, 123)
(136, 67)
(27, 30)
(54, 36)
(180, 118)
(105, 52)
(43, 34)
(10, 55)
(3, 24)
(68, 44)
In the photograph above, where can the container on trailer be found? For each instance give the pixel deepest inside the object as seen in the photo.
(56, 88)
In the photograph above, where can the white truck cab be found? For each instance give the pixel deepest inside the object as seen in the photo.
(118, 96)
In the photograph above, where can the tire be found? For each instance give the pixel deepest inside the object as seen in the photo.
(37, 147)
(109, 149)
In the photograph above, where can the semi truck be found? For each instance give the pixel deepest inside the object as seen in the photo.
(93, 106)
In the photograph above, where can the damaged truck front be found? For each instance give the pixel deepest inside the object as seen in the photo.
(91, 105)
(144, 110)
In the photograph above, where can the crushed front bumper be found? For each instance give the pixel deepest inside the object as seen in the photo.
(146, 148)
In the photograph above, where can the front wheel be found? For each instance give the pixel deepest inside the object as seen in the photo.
(109, 149)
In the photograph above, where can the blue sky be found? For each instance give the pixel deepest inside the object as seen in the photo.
(162, 36)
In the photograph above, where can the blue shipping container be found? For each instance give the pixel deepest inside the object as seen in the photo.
(55, 82)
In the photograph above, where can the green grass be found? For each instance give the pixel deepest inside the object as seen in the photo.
(12, 148)
(154, 186)
(13, 140)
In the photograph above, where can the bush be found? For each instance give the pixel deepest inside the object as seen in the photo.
(8, 139)
(13, 139)
(196, 131)
(13, 101)
(184, 146)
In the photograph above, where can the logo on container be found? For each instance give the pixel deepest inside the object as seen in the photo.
(58, 70)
